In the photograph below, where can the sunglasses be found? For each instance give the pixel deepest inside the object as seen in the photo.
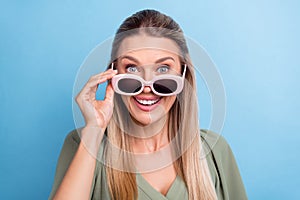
(162, 85)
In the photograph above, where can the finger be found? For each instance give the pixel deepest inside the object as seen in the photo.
(109, 94)
(94, 81)
(100, 78)
(89, 91)
(92, 84)
(97, 76)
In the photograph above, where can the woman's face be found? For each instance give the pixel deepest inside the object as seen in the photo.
(148, 57)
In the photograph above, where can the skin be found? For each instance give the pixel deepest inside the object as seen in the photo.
(158, 52)
(143, 58)
(152, 54)
(146, 51)
(77, 181)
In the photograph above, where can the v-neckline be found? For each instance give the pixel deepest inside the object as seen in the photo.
(154, 194)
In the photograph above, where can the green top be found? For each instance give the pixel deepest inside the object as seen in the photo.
(221, 163)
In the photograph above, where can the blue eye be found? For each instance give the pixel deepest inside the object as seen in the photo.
(163, 69)
(131, 69)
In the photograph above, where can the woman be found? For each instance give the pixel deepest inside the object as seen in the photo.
(143, 140)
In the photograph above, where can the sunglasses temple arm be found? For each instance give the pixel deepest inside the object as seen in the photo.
(184, 70)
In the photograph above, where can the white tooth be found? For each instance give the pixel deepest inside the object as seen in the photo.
(147, 102)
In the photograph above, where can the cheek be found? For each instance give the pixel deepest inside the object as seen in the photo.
(169, 101)
(126, 100)
(129, 103)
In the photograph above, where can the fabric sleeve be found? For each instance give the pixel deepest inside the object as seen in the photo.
(230, 185)
(67, 153)
(230, 175)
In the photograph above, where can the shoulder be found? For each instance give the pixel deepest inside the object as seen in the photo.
(73, 136)
(73, 139)
(216, 149)
(71, 143)
(223, 166)
(67, 153)
(213, 140)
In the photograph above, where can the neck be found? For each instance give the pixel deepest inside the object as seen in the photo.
(150, 138)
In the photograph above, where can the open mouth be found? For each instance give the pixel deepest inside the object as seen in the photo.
(147, 102)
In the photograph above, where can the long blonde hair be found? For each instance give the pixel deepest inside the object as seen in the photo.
(183, 120)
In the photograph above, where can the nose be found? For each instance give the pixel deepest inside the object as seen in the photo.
(147, 89)
(148, 75)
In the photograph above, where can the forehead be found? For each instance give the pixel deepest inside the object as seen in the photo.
(148, 46)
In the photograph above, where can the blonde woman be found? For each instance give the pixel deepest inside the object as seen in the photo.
(143, 140)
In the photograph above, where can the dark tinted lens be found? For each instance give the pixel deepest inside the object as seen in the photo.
(165, 86)
(129, 85)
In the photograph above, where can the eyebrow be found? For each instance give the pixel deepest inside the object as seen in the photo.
(157, 61)
(164, 58)
(129, 58)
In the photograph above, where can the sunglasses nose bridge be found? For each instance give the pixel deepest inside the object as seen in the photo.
(147, 83)
(147, 87)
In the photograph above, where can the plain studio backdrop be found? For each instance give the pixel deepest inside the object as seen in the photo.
(254, 44)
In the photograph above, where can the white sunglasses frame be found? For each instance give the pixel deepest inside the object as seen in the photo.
(178, 79)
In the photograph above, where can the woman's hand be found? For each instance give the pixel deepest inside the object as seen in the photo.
(77, 181)
(96, 113)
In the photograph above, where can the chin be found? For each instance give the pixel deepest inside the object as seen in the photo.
(142, 120)
(150, 111)
(145, 114)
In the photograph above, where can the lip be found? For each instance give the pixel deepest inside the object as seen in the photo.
(146, 108)
(147, 97)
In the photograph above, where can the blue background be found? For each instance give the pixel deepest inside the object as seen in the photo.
(255, 45)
